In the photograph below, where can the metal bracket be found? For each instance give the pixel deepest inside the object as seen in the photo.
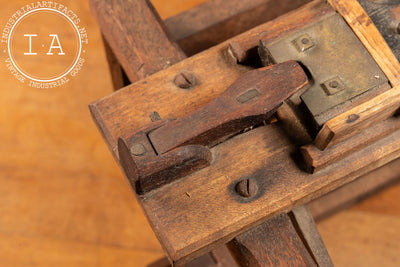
(340, 66)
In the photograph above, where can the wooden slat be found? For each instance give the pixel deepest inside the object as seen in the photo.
(144, 54)
(206, 25)
(369, 35)
(356, 191)
(287, 239)
(358, 118)
(274, 243)
(215, 21)
(201, 211)
(307, 230)
(219, 257)
(316, 159)
(116, 71)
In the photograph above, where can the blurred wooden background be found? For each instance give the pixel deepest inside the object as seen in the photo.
(64, 201)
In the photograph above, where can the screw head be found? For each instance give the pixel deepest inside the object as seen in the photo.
(334, 84)
(138, 150)
(305, 41)
(246, 188)
(185, 80)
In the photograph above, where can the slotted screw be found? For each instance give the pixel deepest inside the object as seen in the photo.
(247, 188)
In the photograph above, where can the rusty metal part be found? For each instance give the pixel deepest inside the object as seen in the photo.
(185, 80)
(340, 66)
(247, 188)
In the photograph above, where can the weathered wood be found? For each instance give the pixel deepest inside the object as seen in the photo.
(168, 150)
(308, 232)
(123, 112)
(223, 257)
(287, 239)
(219, 257)
(201, 27)
(369, 35)
(144, 54)
(215, 21)
(208, 24)
(294, 124)
(358, 118)
(316, 159)
(355, 191)
(116, 67)
(250, 100)
(212, 213)
(218, 214)
(274, 243)
(119, 79)
(116, 71)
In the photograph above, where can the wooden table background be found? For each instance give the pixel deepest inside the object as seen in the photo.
(64, 201)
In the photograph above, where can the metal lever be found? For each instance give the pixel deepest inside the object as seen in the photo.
(167, 150)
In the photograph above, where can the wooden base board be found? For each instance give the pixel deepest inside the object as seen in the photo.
(183, 248)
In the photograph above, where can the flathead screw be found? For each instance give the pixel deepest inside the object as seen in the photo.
(247, 188)
(185, 80)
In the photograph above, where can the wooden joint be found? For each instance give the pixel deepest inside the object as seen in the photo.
(354, 130)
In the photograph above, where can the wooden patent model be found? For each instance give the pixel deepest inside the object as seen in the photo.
(226, 146)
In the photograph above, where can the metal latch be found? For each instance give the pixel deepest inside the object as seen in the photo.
(169, 149)
(340, 66)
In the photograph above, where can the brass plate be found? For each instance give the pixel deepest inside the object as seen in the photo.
(340, 66)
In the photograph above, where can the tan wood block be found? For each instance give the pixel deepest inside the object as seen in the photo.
(358, 118)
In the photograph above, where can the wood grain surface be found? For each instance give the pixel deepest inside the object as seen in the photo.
(274, 243)
(64, 201)
(138, 58)
(214, 71)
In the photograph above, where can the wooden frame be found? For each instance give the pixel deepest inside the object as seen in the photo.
(115, 117)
